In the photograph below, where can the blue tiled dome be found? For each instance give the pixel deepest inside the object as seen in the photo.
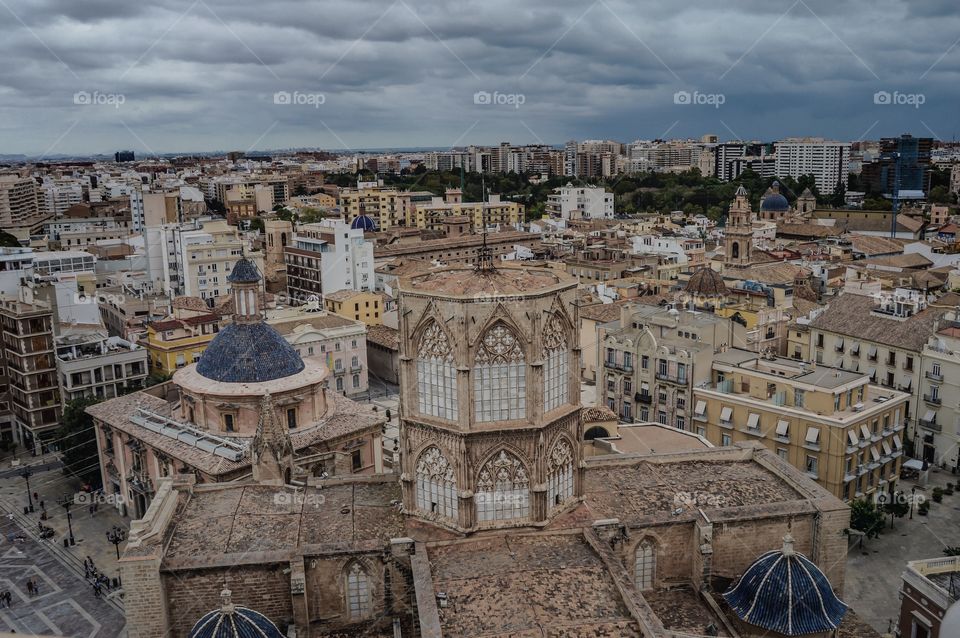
(244, 272)
(249, 353)
(774, 201)
(783, 591)
(364, 223)
(231, 621)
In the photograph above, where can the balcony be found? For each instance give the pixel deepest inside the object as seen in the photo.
(339, 371)
(356, 368)
(933, 400)
(931, 424)
(672, 378)
(646, 399)
(623, 367)
(933, 376)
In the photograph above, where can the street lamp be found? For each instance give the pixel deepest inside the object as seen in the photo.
(913, 497)
(116, 536)
(26, 473)
(67, 503)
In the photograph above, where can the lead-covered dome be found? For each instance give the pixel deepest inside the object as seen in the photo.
(231, 621)
(783, 591)
(364, 223)
(249, 353)
(773, 201)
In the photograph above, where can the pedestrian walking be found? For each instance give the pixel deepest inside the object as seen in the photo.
(9, 598)
(36, 588)
(29, 587)
(3, 599)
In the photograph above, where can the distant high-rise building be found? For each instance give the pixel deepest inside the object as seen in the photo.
(828, 161)
(124, 156)
(914, 154)
(19, 204)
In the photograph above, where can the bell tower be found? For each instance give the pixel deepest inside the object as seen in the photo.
(490, 422)
(738, 233)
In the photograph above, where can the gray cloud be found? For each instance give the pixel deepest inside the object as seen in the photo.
(202, 75)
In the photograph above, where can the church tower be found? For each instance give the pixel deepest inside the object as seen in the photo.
(738, 233)
(491, 423)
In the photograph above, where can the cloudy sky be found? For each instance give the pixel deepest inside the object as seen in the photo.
(93, 76)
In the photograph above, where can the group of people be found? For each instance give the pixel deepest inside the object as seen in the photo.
(6, 599)
(33, 588)
(99, 582)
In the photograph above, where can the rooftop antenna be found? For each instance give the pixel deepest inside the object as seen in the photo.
(896, 195)
(485, 257)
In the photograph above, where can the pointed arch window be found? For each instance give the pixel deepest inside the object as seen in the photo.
(645, 567)
(556, 358)
(436, 485)
(358, 592)
(560, 474)
(436, 375)
(500, 376)
(503, 489)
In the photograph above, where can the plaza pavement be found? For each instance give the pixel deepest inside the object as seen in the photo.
(873, 572)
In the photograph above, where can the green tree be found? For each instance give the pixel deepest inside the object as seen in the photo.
(866, 517)
(79, 442)
(8, 241)
(156, 378)
(939, 195)
(895, 505)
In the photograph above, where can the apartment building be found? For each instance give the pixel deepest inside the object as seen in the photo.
(205, 256)
(432, 215)
(57, 195)
(882, 337)
(174, 342)
(654, 360)
(388, 207)
(939, 424)
(359, 305)
(326, 257)
(833, 424)
(340, 342)
(19, 202)
(92, 364)
(33, 392)
(580, 202)
(828, 161)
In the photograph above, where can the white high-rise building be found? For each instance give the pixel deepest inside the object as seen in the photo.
(828, 161)
(345, 257)
(59, 195)
(580, 202)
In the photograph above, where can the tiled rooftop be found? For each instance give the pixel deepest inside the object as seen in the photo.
(528, 585)
(499, 281)
(682, 609)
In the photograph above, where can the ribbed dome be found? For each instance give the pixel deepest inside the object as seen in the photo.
(249, 353)
(706, 282)
(234, 622)
(244, 272)
(773, 201)
(783, 591)
(364, 223)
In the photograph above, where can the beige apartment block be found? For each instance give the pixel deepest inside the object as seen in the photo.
(832, 424)
(494, 212)
(19, 203)
(939, 423)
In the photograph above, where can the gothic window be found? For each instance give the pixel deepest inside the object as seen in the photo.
(358, 592)
(500, 376)
(560, 474)
(436, 375)
(645, 567)
(556, 357)
(503, 489)
(436, 485)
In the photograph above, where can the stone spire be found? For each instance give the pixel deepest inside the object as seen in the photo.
(272, 449)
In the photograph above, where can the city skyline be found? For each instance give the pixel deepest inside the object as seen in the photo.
(198, 76)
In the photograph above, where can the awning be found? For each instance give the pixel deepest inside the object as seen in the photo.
(855, 349)
(813, 435)
(840, 343)
(873, 351)
(907, 381)
(753, 421)
(725, 414)
(865, 431)
(913, 464)
(874, 453)
(783, 427)
(896, 441)
(873, 373)
(645, 386)
(886, 448)
(930, 416)
(853, 437)
(701, 408)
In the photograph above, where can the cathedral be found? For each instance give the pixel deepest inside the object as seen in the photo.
(494, 522)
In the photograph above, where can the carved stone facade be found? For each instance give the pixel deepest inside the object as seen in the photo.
(738, 233)
(490, 415)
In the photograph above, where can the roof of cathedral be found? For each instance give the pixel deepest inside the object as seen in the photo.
(706, 282)
(231, 621)
(501, 280)
(785, 592)
(249, 353)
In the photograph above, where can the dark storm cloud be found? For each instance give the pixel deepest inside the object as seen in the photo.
(202, 74)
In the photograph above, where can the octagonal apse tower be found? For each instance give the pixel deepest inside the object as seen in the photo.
(490, 421)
